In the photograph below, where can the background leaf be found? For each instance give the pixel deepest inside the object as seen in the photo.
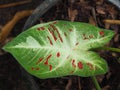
(60, 48)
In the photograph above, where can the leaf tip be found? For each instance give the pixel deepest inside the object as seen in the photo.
(5, 48)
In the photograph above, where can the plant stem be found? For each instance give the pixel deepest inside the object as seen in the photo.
(96, 83)
(110, 49)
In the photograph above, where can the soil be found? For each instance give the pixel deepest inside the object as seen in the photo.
(89, 11)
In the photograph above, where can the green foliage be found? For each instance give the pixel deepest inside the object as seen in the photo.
(60, 48)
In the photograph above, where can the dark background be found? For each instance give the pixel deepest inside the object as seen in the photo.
(89, 11)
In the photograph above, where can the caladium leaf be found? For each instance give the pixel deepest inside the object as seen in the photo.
(60, 48)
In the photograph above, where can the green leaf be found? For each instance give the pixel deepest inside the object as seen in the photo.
(60, 48)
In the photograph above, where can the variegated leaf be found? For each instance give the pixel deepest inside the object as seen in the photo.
(60, 48)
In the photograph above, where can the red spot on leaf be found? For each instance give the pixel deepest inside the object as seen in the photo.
(50, 67)
(65, 34)
(90, 66)
(59, 36)
(46, 62)
(50, 40)
(39, 60)
(37, 69)
(52, 33)
(77, 44)
(85, 37)
(80, 65)
(54, 28)
(70, 30)
(41, 28)
(33, 68)
(101, 33)
(91, 36)
(73, 63)
(58, 54)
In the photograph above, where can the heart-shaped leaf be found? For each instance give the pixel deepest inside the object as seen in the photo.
(60, 48)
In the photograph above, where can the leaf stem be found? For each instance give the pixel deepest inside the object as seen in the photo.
(110, 49)
(96, 83)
